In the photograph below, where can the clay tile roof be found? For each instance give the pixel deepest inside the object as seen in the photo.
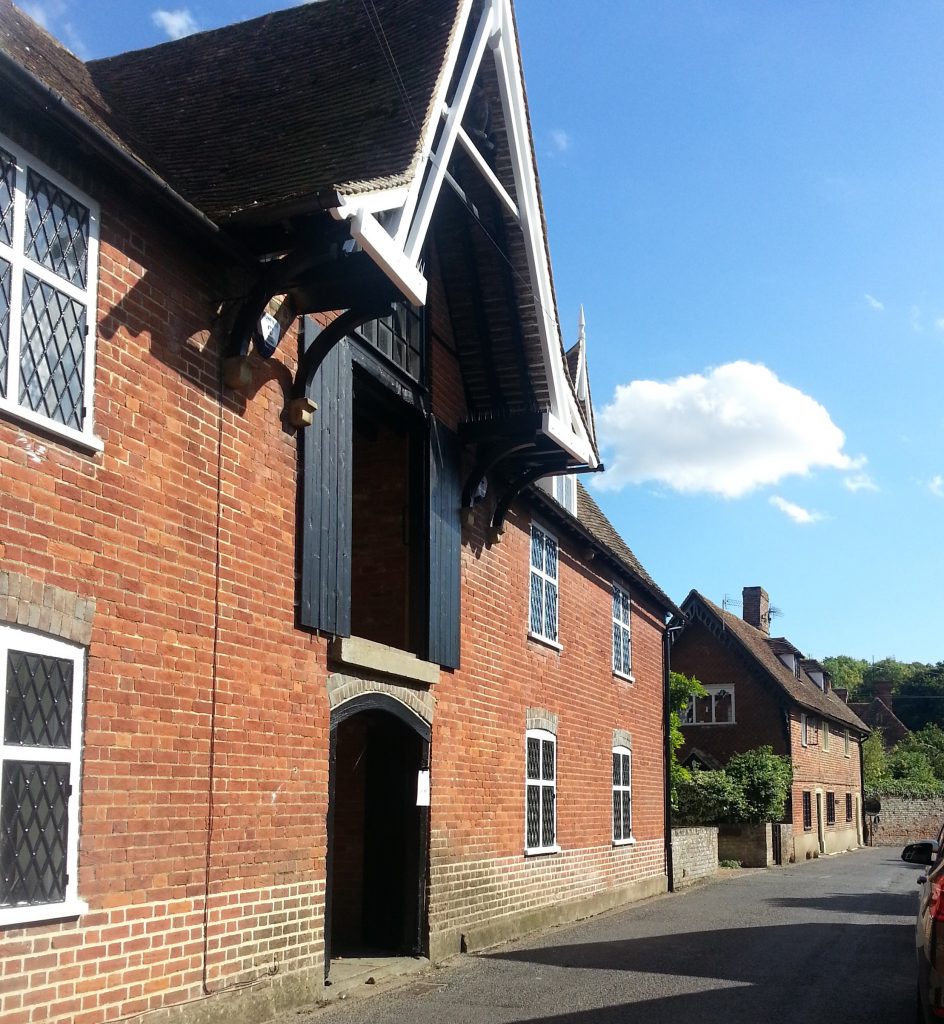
(314, 83)
(879, 716)
(591, 517)
(33, 51)
(762, 649)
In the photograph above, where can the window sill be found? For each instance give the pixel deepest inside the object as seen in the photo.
(356, 652)
(626, 678)
(542, 851)
(13, 917)
(545, 641)
(87, 443)
(625, 842)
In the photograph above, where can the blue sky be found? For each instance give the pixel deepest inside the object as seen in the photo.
(748, 200)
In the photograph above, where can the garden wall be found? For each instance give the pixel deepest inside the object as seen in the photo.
(904, 819)
(694, 854)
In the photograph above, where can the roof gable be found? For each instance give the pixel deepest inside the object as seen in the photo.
(760, 650)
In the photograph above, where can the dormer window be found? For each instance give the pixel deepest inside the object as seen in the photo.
(565, 492)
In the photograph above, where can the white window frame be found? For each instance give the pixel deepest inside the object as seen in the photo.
(542, 736)
(19, 262)
(625, 630)
(14, 638)
(624, 788)
(845, 740)
(688, 715)
(546, 579)
(804, 730)
(564, 490)
(826, 728)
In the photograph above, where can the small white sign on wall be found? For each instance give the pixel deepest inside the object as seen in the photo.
(422, 788)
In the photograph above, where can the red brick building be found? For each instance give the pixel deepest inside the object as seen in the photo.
(763, 691)
(312, 643)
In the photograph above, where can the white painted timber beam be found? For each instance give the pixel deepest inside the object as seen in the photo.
(385, 252)
(447, 140)
(497, 187)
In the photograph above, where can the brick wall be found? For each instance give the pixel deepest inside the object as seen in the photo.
(904, 820)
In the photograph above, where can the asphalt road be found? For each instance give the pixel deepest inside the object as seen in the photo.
(823, 942)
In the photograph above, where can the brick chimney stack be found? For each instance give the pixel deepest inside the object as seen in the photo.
(756, 608)
(882, 688)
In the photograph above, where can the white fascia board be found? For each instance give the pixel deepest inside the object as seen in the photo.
(519, 139)
(384, 251)
(401, 227)
(577, 444)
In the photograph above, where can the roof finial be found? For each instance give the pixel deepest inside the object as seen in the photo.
(581, 327)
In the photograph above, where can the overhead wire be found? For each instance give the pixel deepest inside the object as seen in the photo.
(376, 24)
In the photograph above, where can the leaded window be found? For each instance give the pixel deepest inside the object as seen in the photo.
(807, 811)
(622, 795)
(540, 791)
(830, 808)
(39, 776)
(542, 621)
(400, 337)
(622, 646)
(48, 251)
(716, 707)
(848, 807)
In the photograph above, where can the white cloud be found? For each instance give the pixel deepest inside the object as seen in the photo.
(795, 512)
(936, 485)
(176, 24)
(726, 431)
(939, 323)
(561, 140)
(859, 482)
(874, 302)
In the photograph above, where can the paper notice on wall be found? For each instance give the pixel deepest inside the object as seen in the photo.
(422, 788)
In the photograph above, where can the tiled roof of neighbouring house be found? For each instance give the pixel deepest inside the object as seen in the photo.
(318, 97)
(879, 717)
(762, 649)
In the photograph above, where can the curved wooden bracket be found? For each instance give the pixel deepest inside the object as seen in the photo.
(487, 460)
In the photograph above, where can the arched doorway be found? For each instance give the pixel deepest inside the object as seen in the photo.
(377, 834)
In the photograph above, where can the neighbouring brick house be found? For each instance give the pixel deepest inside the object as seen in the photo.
(311, 641)
(763, 691)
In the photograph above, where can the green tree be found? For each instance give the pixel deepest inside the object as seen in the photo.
(874, 764)
(922, 694)
(681, 688)
(710, 798)
(764, 779)
(846, 672)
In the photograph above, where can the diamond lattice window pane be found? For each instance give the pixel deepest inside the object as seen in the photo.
(547, 760)
(7, 183)
(537, 549)
(5, 282)
(57, 230)
(536, 620)
(616, 769)
(617, 816)
(625, 761)
(547, 816)
(534, 758)
(38, 701)
(33, 832)
(550, 611)
(52, 355)
(617, 648)
(533, 827)
(627, 816)
(550, 558)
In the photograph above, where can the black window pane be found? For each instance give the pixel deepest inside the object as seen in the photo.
(536, 619)
(547, 816)
(7, 184)
(617, 816)
(616, 769)
(5, 285)
(625, 760)
(52, 358)
(38, 701)
(627, 815)
(547, 760)
(33, 832)
(57, 230)
(533, 831)
(534, 758)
